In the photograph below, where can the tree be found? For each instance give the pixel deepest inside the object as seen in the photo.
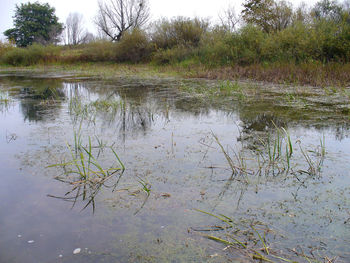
(34, 22)
(268, 14)
(283, 14)
(259, 12)
(118, 16)
(229, 19)
(74, 29)
(302, 14)
(328, 10)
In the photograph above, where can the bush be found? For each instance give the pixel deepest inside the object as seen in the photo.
(134, 47)
(178, 31)
(215, 49)
(31, 55)
(4, 48)
(248, 45)
(175, 55)
(334, 39)
(98, 51)
(293, 44)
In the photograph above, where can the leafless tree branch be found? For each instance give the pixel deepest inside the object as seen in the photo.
(115, 17)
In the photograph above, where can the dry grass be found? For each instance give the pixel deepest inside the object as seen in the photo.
(313, 74)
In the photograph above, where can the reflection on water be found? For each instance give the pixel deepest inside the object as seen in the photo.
(164, 137)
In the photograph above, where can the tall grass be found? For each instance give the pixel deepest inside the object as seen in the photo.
(276, 156)
(252, 240)
(31, 55)
(5, 101)
(316, 52)
(85, 173)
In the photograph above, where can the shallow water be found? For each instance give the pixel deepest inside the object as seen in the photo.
(164, 134)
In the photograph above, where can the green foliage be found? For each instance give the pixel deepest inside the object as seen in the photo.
(34, 22)
(98, 51)
(179, 31)
(259, 12)
(31, 55)
(5, 47)
(276, 36)
(327, 9)
(134, 47)
(174, 55)
(296, 43)
(215, 48)
(247, 45)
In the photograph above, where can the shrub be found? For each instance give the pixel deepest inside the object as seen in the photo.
(178, 31)
(247, 45)
(31, 55)
(334, 39)
(5, 47)
(215, 49)
(98, 51)
(134, 47)
(175, 55)
(294, 44)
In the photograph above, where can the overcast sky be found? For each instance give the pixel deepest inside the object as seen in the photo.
(159, 8)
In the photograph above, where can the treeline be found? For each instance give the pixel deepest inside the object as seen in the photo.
(266, 31)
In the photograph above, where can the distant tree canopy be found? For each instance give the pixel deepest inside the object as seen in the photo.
(329, 10)
(34, 23)
(116, 17)
(269, 15)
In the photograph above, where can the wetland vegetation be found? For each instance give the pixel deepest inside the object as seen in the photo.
(184, 141)
(172, 170)
(269, 41)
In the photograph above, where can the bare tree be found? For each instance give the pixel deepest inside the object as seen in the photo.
(302, 14)
(75, 32)
(229, 19)
(117, 16)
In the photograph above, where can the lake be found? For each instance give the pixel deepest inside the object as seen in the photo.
(172, 170)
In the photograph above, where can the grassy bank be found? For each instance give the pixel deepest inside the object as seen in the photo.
(310, 47)
(334, 74)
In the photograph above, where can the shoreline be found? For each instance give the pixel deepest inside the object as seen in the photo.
(311, 74)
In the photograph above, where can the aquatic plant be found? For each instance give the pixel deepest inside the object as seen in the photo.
(314, 165)
(227, 88)
(80, 110)
(276, 156)
(5, 101)
(85, 173)
(251, 239)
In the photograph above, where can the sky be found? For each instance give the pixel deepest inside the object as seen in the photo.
(159, 8)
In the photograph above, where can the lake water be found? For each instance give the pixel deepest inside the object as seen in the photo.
(273, 159)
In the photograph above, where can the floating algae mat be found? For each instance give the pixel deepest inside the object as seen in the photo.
(170, 170)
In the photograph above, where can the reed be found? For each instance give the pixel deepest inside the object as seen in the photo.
(276, 156)
(85, 173)
(245, 237)
(5, 101)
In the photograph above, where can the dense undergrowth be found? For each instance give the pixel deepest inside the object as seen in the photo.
(315, 53)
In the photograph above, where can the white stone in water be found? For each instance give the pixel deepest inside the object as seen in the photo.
(19, 235)
(30, 241)
(60, 256)
(76, 251)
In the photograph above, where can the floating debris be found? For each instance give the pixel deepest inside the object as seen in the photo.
(30, 241)
(76, 251)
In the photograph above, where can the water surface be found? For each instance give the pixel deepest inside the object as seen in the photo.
(164, 133)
